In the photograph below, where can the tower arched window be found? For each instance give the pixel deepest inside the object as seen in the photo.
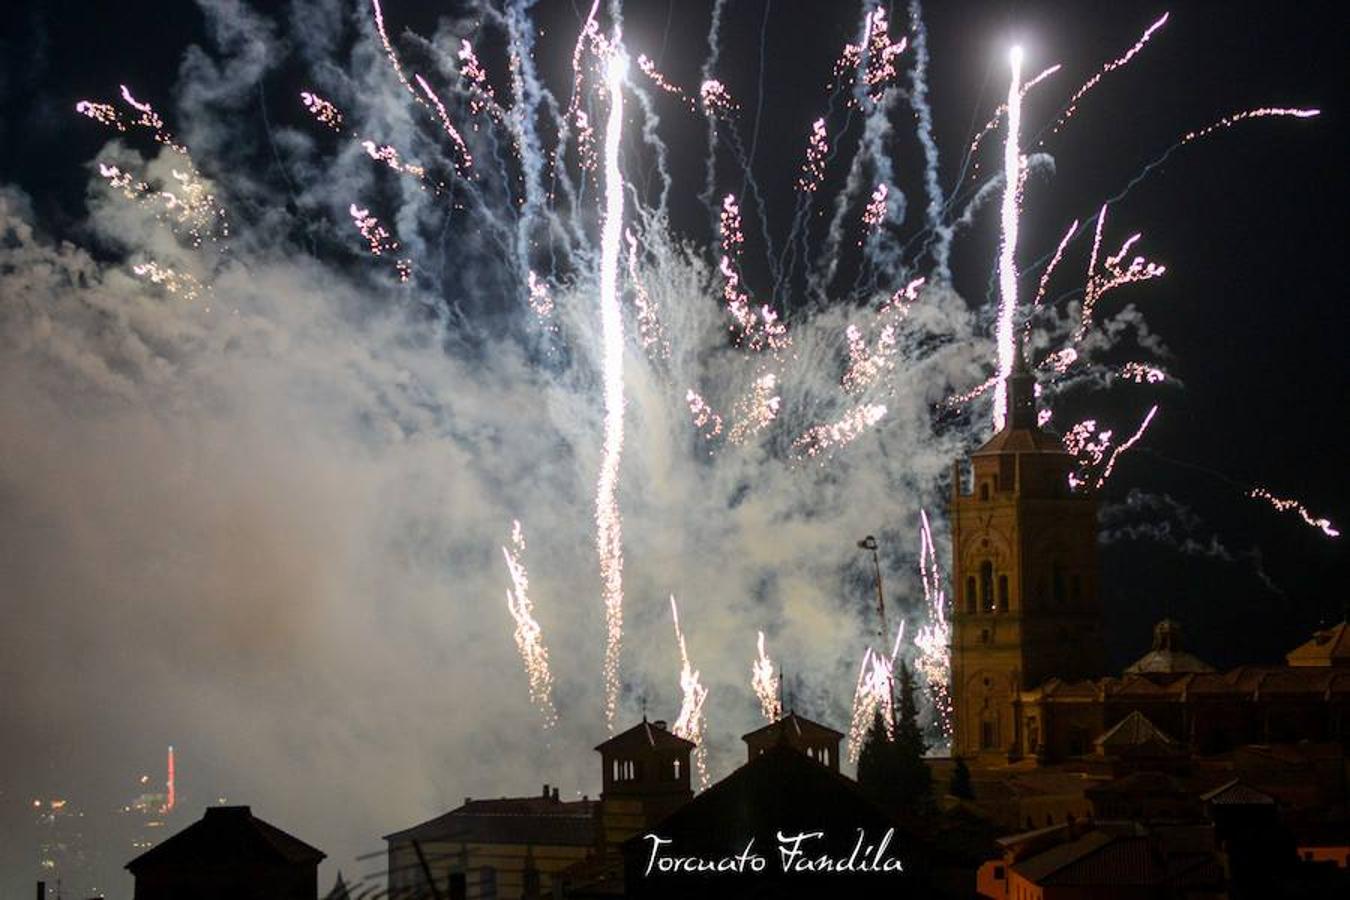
(984, 490)
(970, 594)
(987, 586)
(1003, 593)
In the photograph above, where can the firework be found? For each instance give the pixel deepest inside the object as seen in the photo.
(1284, 505)
(1130, 442)
(1007, 263)
(691, 721)
(1105, 70)
(757, 410)
(875, 213)
(378, 239)
(1263, 112)
(934, 637)
(609, 535)
(1112, 274)
(189, 287)
(706, 420)
(529, 636)
(820, 438)
(817, 148)
(765, 683)
(322, 110)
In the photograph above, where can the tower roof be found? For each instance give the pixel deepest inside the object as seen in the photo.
(1328, 647)
(794, 725)
(645, 736)
(1021, 433)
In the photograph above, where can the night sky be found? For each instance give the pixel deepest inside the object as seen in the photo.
(1250, 222)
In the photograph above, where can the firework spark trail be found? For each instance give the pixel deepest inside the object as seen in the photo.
(757, 410)
(813, 169)
(1007, 263)
(691, 721)
(875, 213)
(322, 110)
(1054, 262)
(650, 333)
(529, 636)
(1134, 438)
(191, 209)
(1112, 274)
(1323, 525)
(819, 438)
(173, 281)
(867, 363)
(1142, 373)
(874, 692)
(934, 638)
(609, 534)
(389, 50)
(378, 238)
(706, 419)
(540, 297)
(1218, 125)
(1105, 70)
(754, 329)
(765, 683)
(465, 162)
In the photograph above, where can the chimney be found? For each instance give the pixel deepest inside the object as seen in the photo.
(468, 800)
(555, 795)
(545, 790)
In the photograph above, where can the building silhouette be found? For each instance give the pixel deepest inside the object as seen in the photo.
(228, 854)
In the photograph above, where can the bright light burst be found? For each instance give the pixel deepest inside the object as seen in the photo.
(765, 683)
(609, 525)
(1007, 256)
(691, 721)
(529, 636)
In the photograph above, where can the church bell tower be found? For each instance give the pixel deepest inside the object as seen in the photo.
(1024, 566)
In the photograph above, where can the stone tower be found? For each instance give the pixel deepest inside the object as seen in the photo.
(1024, 566)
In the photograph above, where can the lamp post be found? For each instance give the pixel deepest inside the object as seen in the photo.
(870, 543)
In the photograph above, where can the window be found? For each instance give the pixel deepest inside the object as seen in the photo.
(984, 490)
(1003, 593)
(1033, 734)
(987, 586)
(984, 635)
(531, 882)
(998, 873)
(986, 734)
(677, 770)
(970, 593)
(459, 886)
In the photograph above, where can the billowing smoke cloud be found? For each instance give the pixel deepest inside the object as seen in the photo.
(261, 520)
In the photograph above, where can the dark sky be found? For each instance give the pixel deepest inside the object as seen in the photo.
(1251, 224)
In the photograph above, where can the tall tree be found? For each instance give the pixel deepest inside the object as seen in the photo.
(960, 785)
(914, 780)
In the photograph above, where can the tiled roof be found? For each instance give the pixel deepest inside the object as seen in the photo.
(511, 820)
(1235, 793)
(1134, 729)
(228, 835)
(1328, 647)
